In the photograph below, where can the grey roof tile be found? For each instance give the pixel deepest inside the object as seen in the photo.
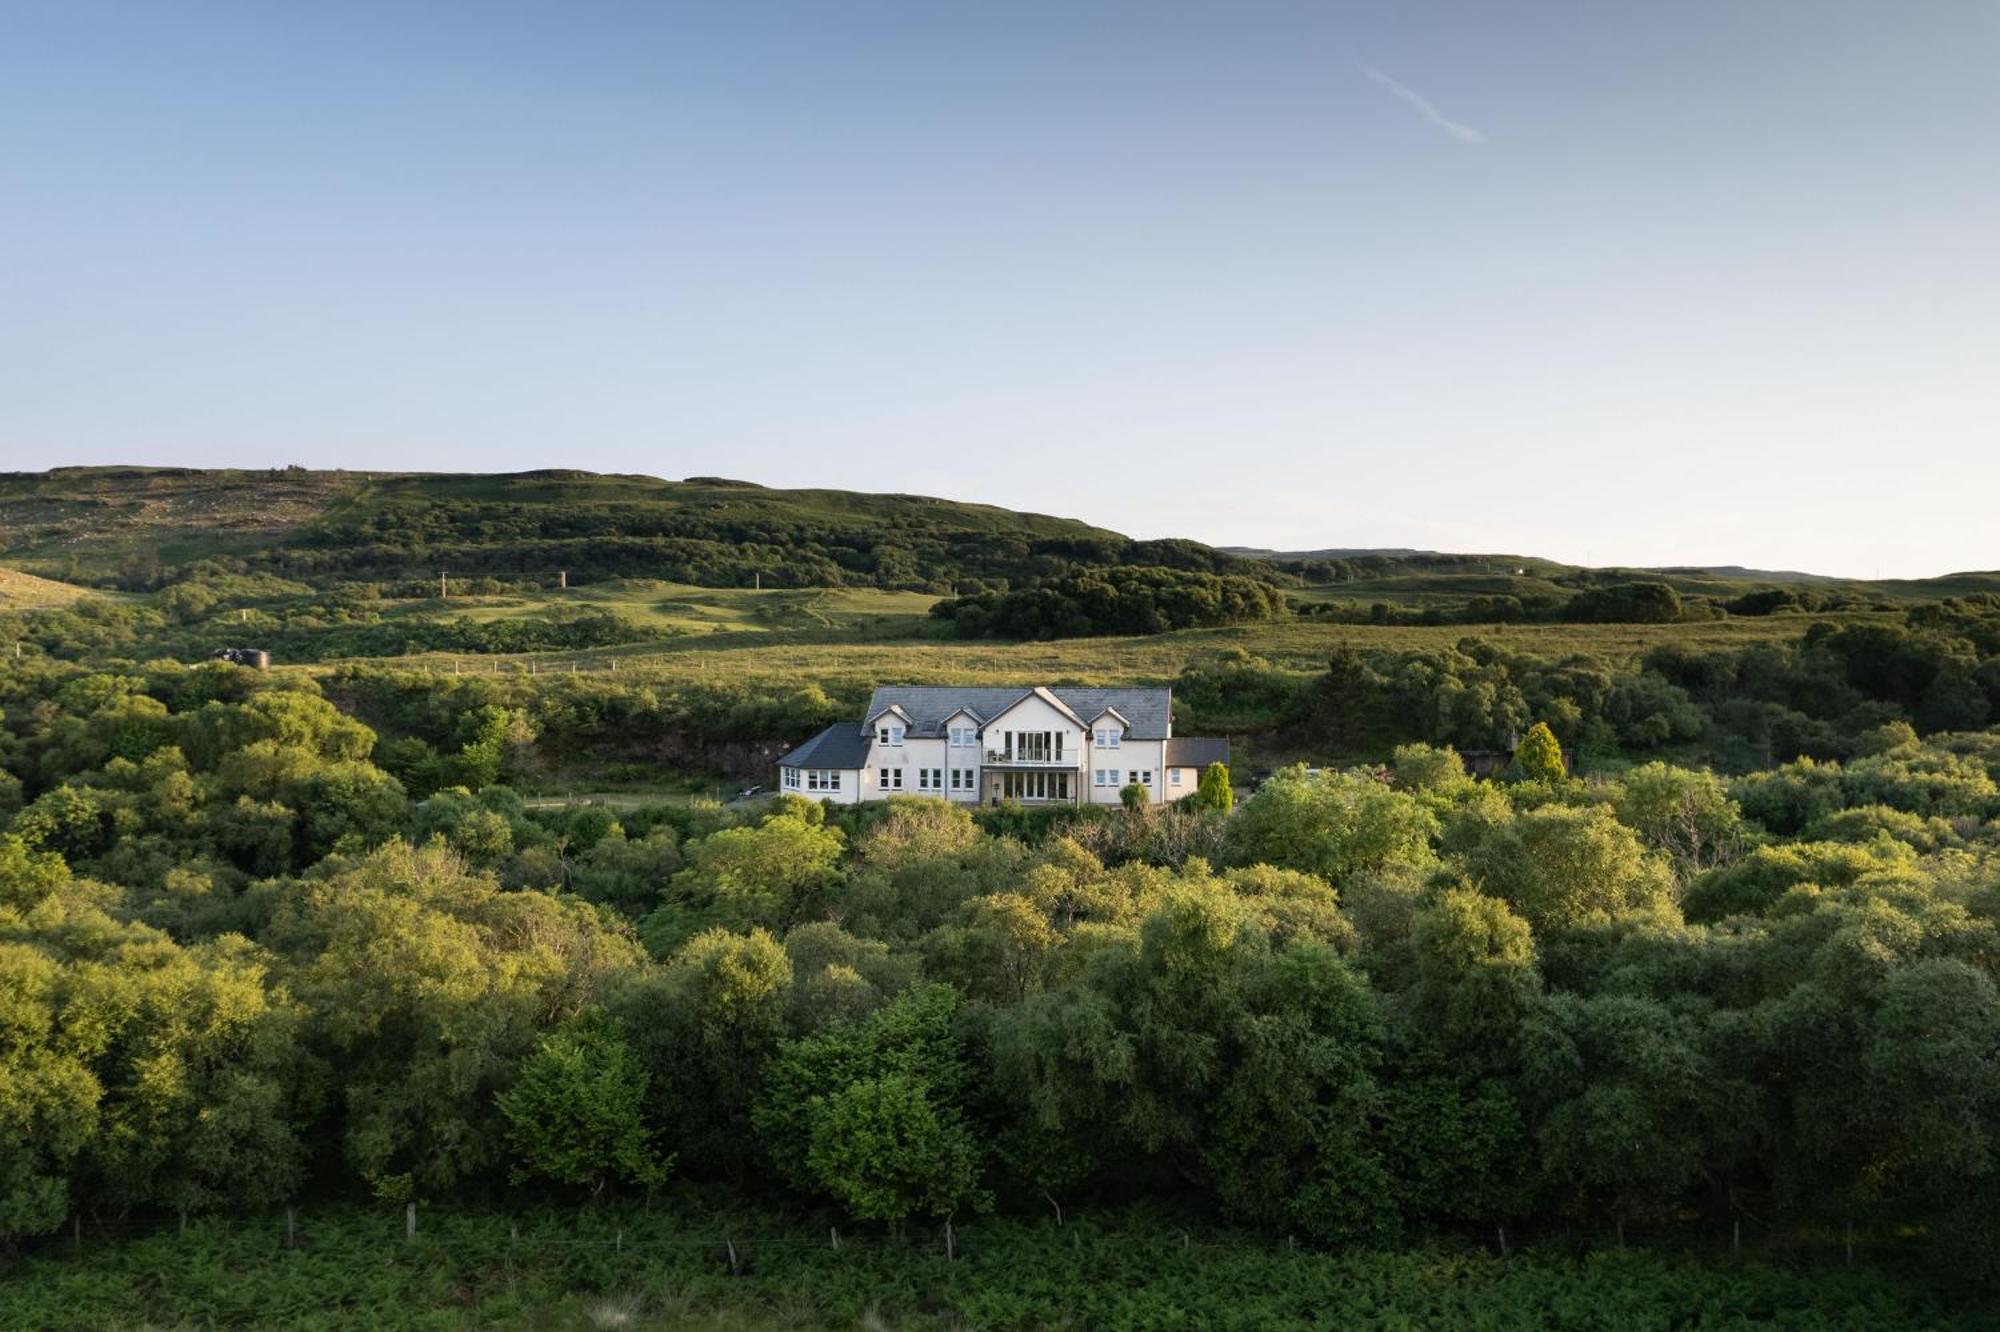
(1147, 712)
(838, 746)
(1195, 752)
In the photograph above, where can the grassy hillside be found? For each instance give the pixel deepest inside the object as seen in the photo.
(88, 522)
(143, 525)
(846, 664)
(1424, 577)
(21, 591)
(679, 608)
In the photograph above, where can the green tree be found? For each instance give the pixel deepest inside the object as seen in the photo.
(1428, 768)
(883, 1149)
(1198, 1045)
(760, 876)
(704, 1026)
(27, 876)
(1619, 1086)
(1214, 791)
(496, 738)
(913, 1037)
(1539, 756)
(1333, 824)
(1562, 867)
(575, 1112)
(426, 986)
(1477, 977)
(1684, 815)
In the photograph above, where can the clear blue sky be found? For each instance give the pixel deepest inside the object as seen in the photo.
(1696, 282)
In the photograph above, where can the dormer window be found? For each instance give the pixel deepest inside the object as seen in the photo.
(964, 737)
(889, 735)
(1108, 737)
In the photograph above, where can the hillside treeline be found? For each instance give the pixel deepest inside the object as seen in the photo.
(242, 962)
(1589, 597)
(921, 550)
(1123, 599)
(1825, 694)
(306, 626)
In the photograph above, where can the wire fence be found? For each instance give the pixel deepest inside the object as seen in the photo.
(426, 1229)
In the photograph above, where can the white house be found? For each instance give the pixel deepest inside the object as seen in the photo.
(1037, 746)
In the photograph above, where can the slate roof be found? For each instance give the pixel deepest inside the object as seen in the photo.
(1195, 752)
(838, 746)
(1147, 712)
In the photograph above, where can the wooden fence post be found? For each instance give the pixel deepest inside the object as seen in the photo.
(291, 1230)
(733, 1266)
(410, 1221)
(835, 1232)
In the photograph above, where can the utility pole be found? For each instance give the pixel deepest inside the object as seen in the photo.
(758, 580)
(562, 580)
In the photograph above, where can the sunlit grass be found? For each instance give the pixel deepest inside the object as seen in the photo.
(846, 660)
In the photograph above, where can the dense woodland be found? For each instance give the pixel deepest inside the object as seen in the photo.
(246, 962)
(300, 938)
(1123, 599)
(1825, 694)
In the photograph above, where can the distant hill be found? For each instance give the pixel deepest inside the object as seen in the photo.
(1749, 575)
(143, 527)
(1414, 559)
(1421, 576)
(137, 526)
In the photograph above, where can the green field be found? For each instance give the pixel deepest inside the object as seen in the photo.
(675, 608)
(836, 660)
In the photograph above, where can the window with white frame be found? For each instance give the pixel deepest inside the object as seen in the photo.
(930, 779)
(822, 779)
(1173, 776)
(1144, 778)
(1105, 777)
(791, 776)
(892, 779)
(1108, 737)
(961, 779)
(964, 737)
(889, 735)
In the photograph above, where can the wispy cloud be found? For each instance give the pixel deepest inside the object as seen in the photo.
(1463, 133)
